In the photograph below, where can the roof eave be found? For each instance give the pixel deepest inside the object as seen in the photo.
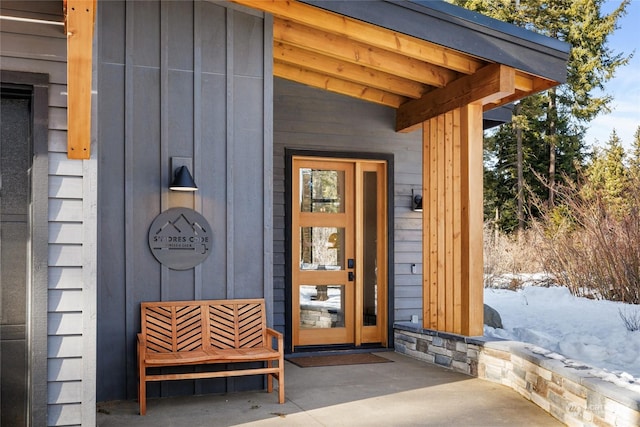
(463, 30)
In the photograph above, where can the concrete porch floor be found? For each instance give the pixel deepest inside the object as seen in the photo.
(406, 392)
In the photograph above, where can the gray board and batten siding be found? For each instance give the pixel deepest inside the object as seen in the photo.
(64, 388)
(173, 73)
(310, 119)
(180, 79)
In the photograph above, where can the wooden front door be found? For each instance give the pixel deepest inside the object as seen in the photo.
(339, 252)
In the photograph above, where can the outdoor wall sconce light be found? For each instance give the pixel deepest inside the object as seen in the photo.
(416, 202)
(183, 181)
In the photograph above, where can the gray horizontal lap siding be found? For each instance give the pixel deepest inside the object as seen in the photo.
(312, 119)
(36, 47)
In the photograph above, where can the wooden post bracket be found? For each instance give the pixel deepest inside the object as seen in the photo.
(79, 26)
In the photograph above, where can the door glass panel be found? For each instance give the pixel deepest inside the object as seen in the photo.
(15, 163)
(321, 248)
(321, 191)
(370, 249)
(321, 306)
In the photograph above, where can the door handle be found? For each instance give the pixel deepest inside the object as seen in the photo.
(352, 276)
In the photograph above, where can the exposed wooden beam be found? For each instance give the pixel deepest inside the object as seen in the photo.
(341, 47)
(369, 34)
(79, 18)
(491, 83)
(538, 85)
(523, 82)
(343, 87)
(340, 69)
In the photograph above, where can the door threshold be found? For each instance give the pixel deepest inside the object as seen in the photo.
(306, 351)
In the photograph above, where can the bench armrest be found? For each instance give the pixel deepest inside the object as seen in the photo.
(142, 342)
(272, 333)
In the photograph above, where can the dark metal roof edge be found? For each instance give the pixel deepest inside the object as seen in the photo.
(497, 116)
(462, 30)
(454, 13)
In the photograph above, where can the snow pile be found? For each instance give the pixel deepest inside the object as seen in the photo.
(583, 333)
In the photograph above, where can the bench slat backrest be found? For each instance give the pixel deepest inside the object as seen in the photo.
(237, 324)
(174, 326)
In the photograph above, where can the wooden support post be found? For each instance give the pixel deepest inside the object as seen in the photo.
(452, 222)
(79, 24)
(472, 236)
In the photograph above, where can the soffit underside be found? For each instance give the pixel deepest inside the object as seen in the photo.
(329, 51)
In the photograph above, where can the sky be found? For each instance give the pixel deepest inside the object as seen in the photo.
(625, 86)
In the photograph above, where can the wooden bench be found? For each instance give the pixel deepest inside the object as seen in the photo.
(178, 333)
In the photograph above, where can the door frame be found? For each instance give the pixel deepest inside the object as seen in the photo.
(36, 86)
(389, 159)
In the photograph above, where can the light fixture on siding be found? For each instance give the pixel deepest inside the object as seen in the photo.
(182, 180)
(416, 202)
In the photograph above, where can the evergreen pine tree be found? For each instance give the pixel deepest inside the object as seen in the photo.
(553, 143)
(634, 160)
(608, 177)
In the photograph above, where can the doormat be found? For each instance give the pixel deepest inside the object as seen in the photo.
(337, 360)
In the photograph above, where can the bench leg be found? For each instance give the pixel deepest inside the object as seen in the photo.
(142, 390)
(281, 381)
(280, 378)
(142, 400)
(269, 377)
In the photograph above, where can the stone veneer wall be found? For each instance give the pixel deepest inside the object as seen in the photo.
(565, 389)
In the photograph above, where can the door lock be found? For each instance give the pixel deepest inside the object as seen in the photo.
(350, 263)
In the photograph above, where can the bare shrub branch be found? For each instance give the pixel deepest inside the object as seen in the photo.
(507, 257)
(589, 247)
(630, 318)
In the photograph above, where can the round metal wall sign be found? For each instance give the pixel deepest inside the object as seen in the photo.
(180, 238)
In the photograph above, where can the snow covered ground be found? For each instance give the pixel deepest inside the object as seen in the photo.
(579, 331)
